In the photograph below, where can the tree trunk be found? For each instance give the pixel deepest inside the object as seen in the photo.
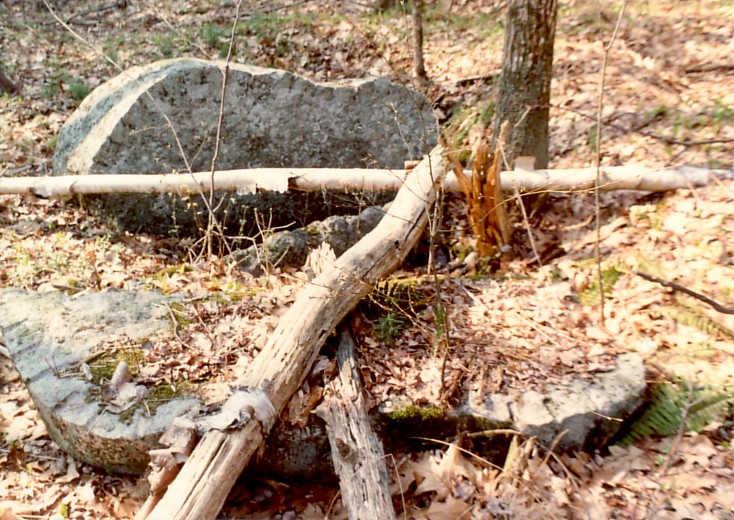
(419, 66)
(524, 91)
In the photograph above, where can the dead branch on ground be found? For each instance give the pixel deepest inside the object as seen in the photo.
(315, 179)
(203, 483)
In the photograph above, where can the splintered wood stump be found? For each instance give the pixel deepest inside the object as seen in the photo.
(203, 483)
(357, 453)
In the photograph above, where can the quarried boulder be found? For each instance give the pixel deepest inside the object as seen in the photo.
(163, 118)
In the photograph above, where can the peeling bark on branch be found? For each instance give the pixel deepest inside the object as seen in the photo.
(311, 179)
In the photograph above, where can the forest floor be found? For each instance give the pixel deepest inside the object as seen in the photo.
(669, 100)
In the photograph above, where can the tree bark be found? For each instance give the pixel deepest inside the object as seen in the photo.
(419, 66)
(201, 487)
(527, 66)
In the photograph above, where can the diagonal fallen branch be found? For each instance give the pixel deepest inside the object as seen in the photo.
(203, 483)
(312, 179)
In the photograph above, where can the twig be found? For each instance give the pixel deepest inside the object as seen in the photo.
(491, 433)
(272, 9)
(212, 222)
(597, 202)
(677, 287)
(710, 67)
(174, 322)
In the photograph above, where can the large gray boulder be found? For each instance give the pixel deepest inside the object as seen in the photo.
(147, 119)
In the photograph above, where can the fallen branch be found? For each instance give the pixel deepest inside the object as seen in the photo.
(313, 179)
(202, 485)
(638, 129)
(99, 9)
(693, 294)
(357, 453)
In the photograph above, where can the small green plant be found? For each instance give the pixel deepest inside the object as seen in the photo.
(658, 112)
(392, 305)
(78, 90)
(263, 26)
(51, 145)
(592, 295)
(164, 42)
(696, 317)
(591, 138)
(389, 327)
(214, 35)
(722, 113)
(50, 89)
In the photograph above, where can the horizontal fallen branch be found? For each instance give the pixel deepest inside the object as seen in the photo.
(313, 179)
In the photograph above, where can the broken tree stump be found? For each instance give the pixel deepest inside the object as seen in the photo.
(357, 453)
(203, 483)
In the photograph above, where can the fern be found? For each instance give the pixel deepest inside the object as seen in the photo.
(667, 402)
(692, 316)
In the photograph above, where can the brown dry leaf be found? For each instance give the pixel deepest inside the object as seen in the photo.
(26, 425)
(591, 500)
(302, 404)
(401, 478)
(72, 473)
(440, 472)
(429, 476)
(7, 513)
(40, 502)
(449, 509)
(697, 450)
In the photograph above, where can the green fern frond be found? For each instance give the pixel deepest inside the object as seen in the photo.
(667, 402)
(692, 316)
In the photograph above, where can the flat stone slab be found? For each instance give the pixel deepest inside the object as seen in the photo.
(586, 414)
(148, 118)
(51, 336)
